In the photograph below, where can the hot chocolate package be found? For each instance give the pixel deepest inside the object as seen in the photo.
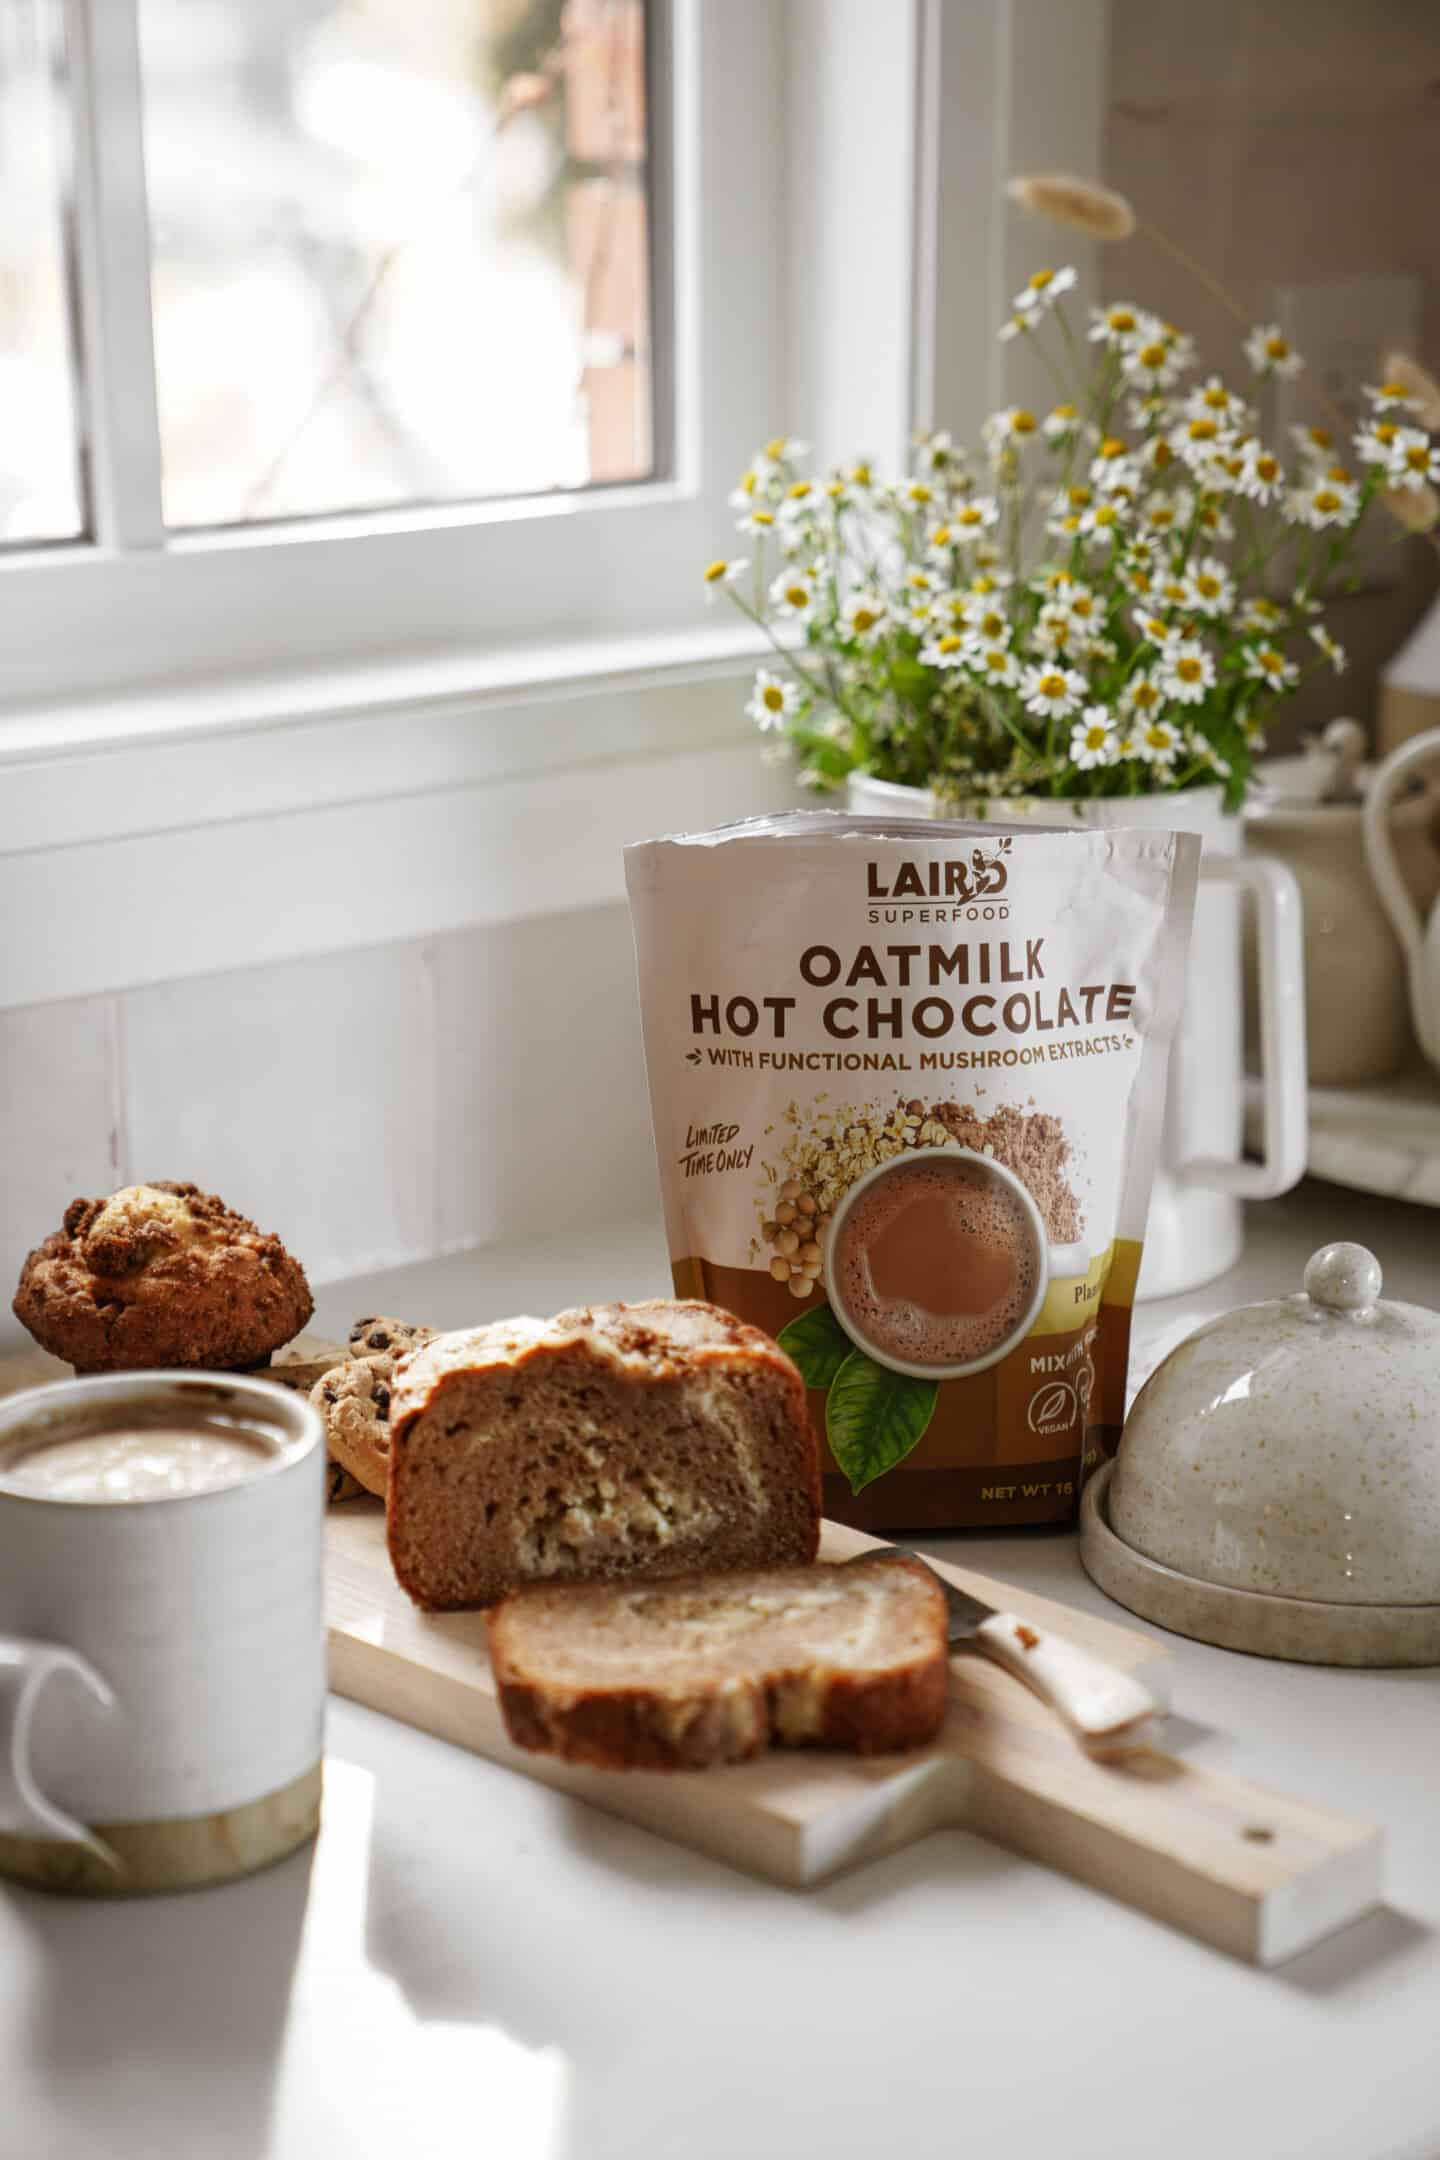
(908, 1081)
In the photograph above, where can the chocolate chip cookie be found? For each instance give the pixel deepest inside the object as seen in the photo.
(354, 1401)
(376, 1334)
(161, 1274)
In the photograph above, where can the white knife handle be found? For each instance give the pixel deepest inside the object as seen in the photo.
(1104, 1708)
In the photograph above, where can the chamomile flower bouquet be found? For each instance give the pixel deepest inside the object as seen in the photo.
(1107, 598)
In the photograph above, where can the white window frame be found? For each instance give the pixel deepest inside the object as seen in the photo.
(134, 604)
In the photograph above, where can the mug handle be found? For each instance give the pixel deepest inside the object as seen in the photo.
(1283, 1071)
(24, 1809)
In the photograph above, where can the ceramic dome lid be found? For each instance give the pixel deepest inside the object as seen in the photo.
(1293, 1447)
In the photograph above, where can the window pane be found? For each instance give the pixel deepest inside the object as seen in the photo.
(401, 250)
(39, 461)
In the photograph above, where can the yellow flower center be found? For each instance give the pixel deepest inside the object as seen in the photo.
(1065, 412)
(1162, 517)
(1325, 500)
(1267, 468)
(949, 644)
(982, 584)
(772, 697)
(992, 624)
(1082, 606)
(775, 447)
(863, 619)
(996, 661)
(762, 517)
(798, 490)
(797, 595)
(1120, 319)
(1158, 735)
(1392, 389)
(1105, 514)
(941, 537)
(1140, 580)
(1052, 686)
(1321, 437)
(1145, 697)
(1216, 397)
(1417, 457)
(715, 571)
(968, 515)
(1173, 589)
(1277, 348)
(1111, 447)
(1188, 669)
(1162, 455)
(1202, 430)
(1272, 663)
(1151, 356)
(1081, 495)
(1022, 422)
(860, 474)
(1039, 279)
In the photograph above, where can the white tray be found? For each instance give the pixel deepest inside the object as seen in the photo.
(1381, 1139)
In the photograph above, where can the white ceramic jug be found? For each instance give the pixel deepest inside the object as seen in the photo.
(1420, 945)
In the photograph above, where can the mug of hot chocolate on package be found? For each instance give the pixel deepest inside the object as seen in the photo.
(907, 1081)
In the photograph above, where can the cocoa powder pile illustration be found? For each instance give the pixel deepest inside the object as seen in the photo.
(1033, 1145)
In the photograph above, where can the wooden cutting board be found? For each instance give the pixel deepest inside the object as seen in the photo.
(1255, 1873)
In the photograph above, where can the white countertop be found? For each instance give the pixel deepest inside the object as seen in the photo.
(467, 1963)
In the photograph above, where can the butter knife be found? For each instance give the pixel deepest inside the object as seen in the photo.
(1108, 1710)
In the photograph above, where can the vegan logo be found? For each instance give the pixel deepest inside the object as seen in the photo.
(984, 875)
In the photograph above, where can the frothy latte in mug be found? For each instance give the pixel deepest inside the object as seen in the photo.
(135, 1460)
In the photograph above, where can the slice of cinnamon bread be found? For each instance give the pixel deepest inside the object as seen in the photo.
(613, 1440)
(713, 1668)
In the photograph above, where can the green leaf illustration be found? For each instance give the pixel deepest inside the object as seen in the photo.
(818, 1344)
(873, 1417)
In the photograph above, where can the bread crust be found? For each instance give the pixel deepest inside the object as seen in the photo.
(642, 1728)
(658, 1339)
(161, 1274)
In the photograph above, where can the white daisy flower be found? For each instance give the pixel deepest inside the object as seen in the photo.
(1214, 522)
(749, 488)
(1079, 603)
(1092, 739)
(792, 595)
(1136, 575)
(1187, 672)
(1334, 651)
(985, 618)
(1375, 442)
(1041, 290)
(1265, 663)
(1260, 614)
(1053, 693)
(1262, 476)
(1389, 397)
(1157, 742)
(914, 495)
(1167, 513)
(941, 540)
(1015, 326)
(995, 664)
(949, 651)
(720, 572)
(975, 516)
(772, 701)
(1270, 352)
(1153, 628)
(863, 616)
(1064, 528)
(785, 449)
(1127, 744)
(1325, 501)
(800, 500)
(1060, 424)
(1120, 324)
(1015, 425)
(986, 556)
(935, 453)
(1151, 365)
(760, 520)
(1316, 445)
(1198, 439)
(1055, 634)
(1211, 398)
(1101, 523)
(860, 475)
(1413, 459)
(1209, 588)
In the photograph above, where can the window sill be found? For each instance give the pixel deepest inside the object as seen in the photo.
(385, 801)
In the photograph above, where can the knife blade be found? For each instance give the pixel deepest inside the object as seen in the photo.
(1106, 1709)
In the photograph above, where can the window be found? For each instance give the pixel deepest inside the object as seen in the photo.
(399, 253)
(337, 327)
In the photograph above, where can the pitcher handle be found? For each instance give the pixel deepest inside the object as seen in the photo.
(25, 1811)
(1279, 920)
(1405, 918)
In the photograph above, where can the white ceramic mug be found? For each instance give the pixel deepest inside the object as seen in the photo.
(1195, 1228)
(162, 1660)
(1419, 937)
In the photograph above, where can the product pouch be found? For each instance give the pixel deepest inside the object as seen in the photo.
(908, 1080)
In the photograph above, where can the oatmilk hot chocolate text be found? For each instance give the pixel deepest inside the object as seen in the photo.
(907, 1081)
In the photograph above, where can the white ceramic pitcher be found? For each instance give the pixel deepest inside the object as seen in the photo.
(1195, 1228)
(1420, 945)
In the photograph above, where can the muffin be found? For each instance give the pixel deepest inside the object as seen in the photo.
(161, 1274)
